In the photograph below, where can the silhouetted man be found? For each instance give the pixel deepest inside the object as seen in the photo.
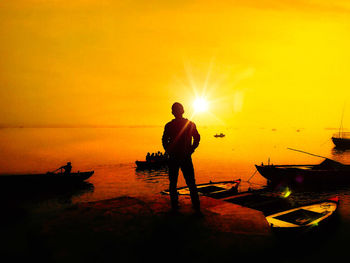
(177, 142)
(67, 168)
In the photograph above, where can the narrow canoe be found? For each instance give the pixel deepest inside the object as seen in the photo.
(44, 179)
(212, 189)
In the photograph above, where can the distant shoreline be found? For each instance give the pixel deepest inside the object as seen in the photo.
(135, 126)
(75, 126)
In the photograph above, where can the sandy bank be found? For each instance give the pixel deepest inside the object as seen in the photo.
(134, 229)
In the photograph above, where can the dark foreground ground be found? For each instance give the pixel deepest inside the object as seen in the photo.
(137, 229)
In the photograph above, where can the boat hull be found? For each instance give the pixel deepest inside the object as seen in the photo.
(306, 175)
(305, 216)
(216, 190)
(341, 142)
(45, 179)
(144, 165)
(286, 215)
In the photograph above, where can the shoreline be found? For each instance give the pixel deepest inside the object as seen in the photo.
(135, 229)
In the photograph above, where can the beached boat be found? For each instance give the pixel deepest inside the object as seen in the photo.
(55, 179)
(326, 173)
(281, 213)
(262, 200)
(154, 164)
(212, 189)
(305, 216)
(341, 140)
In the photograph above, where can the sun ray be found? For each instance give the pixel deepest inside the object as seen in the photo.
(206, 98)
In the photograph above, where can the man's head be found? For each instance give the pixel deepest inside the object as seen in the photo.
(177, 110)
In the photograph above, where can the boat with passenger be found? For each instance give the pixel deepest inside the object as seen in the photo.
(153, 161)
(45, 178)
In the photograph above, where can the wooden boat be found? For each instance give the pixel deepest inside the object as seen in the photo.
(45, 179)
(262, 200)
(280, 213)
(212, 189)
(341, 140)
(154, 164)
(305, 216)
(327, 172)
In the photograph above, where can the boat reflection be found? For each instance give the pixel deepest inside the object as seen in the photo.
(152, 176)
(339, 150)
(341, 155)
(33, 193)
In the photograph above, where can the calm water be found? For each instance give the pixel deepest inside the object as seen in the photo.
(111, 153)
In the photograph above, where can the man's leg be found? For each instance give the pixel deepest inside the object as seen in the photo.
(188, 172)
(173, 176)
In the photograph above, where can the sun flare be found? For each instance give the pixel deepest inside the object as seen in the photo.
(200, 105)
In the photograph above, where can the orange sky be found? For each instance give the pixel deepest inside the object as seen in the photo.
(260, 63)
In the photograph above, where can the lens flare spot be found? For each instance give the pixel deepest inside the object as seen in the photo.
(286, 193)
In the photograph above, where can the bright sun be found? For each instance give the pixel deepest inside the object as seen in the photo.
(200, 105)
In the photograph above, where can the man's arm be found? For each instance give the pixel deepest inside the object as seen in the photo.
(165, 138)
(196, 137)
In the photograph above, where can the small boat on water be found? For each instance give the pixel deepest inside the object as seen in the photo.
(212, 189)
(221, 135)
(153, 161)
(326, 173)
(56, 179)
(341, 140)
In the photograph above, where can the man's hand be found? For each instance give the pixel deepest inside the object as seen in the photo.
(192, 149)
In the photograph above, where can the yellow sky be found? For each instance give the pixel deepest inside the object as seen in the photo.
(260, 63)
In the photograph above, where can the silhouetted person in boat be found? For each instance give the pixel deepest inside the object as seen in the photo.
(178, 145)
(148, 157)
(67, 168)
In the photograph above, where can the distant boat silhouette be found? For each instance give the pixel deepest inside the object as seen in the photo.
(341, 140)
(40, 184)
(153, 162)
(221, 135)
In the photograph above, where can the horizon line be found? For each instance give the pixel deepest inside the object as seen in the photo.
(58, 126)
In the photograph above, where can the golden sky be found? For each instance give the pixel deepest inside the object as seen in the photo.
(259, 63)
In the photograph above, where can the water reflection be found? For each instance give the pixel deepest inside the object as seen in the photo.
(64, 194)
(339, 150)
(111, 155)
(152, 176)
(341, 155)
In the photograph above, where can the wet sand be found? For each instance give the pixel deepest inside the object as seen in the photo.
(137, 229)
